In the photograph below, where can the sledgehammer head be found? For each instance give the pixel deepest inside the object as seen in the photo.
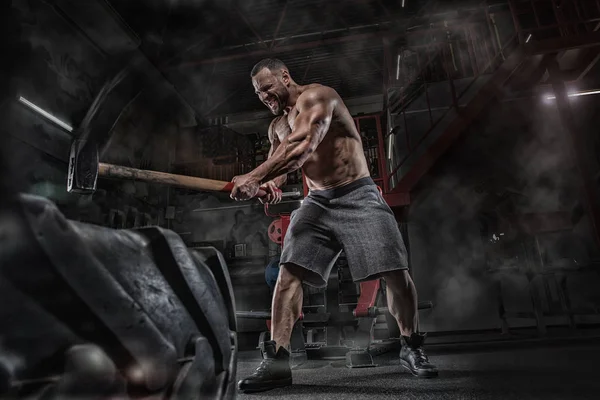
(83, 167)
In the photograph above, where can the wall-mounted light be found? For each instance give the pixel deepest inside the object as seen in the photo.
(45, 114)
(390, 146)
(528, 38)
(577, 94)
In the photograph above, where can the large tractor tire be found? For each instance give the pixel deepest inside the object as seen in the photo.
(91, 312)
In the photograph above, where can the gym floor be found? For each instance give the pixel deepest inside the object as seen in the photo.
(538, 371)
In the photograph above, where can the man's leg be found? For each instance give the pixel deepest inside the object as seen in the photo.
(274, 371)
(309, 242)
(287, 304)
(402, 303)
(402, 300)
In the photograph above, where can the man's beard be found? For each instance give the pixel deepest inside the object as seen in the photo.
(281, 100)
(279, 108)
(282, 104)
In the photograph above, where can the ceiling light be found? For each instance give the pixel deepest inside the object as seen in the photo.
(577, 94)
(45, 114)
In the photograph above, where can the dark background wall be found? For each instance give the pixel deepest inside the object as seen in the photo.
(514, 160)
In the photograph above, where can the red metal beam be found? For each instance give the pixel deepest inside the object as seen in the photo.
(368, 296)
(397, 199)
(381, 155)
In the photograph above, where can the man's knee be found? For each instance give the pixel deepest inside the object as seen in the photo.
(290, 275)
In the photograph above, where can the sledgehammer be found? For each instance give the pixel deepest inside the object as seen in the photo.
(84, 169)
(182, 181)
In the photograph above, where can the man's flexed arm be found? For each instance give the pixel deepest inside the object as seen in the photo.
(274, 139)
(271, 187)
(315, 110)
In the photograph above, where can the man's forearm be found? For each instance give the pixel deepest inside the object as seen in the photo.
(287, 158)
(280, 180)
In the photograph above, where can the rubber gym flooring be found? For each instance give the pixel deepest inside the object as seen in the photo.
(531, 371)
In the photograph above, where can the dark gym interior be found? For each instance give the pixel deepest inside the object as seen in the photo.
(480, 124)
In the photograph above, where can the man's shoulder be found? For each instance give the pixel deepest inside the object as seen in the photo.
(315, 93)
(318, 90)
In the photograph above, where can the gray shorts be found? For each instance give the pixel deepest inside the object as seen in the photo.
(354, 218)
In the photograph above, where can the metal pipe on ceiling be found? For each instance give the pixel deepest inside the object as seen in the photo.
(293, 47)
(352, 28)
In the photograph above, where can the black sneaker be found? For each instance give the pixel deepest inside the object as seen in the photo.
(273, 372)
(414, 359)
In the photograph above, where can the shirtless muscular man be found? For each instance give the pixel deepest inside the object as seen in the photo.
(314, 131)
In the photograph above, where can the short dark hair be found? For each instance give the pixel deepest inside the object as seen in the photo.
(271, 64)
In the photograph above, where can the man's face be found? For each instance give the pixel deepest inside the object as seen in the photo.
(271, 87)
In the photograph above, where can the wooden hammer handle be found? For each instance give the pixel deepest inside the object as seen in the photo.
(183, 181)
